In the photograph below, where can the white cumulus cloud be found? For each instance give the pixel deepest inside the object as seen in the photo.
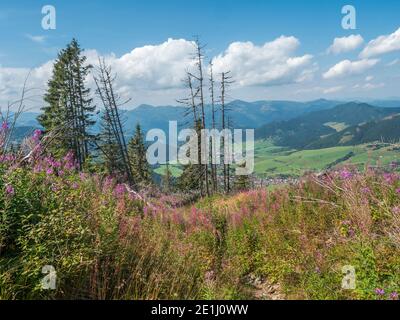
(348, 68)
(155, 66)
(345, 44)
(148, 68)
(382, 44)
(12, 81)
(273, 63)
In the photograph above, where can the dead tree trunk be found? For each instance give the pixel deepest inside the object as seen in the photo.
(213, 125)
(225, 82)
(199, 58)
(105, 90)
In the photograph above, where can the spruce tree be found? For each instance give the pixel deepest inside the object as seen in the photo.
(242, 182)
(68, 109)
(166, 179)
(137, 154)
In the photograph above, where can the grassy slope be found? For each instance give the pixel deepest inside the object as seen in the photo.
(271, 160)
(176, 170)
(105, 243)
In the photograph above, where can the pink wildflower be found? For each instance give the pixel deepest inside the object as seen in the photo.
(5, 125)
(119, 190)
(366, 190)
(379, 291)
(10, 190)
(345, 174)
(36, 135)
(390, 178)
(74, 185)
(396, 210)
(394, 295)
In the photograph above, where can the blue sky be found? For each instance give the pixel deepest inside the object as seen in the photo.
(118, 27)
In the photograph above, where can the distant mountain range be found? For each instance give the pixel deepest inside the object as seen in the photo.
(346, 124)
(243, 114)
(290, 123)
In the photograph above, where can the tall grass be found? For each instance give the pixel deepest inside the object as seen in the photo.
(106, 242)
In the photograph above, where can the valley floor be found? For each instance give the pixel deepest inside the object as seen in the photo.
(271, 160)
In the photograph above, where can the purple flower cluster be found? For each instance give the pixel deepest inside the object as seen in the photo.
(7, 158)
(10, 190)
(379, 291)
(366, 190)
(36, 135)
(390, 178)
(345, 174)
(5, 126)
(396, 210)
(394, 295)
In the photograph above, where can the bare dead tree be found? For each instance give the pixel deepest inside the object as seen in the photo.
(190, 102)
(226, 80)
(111, 102)
(213, 125)
(198, 57)
(192, 109)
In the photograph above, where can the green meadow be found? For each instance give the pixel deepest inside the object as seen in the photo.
(271, 160)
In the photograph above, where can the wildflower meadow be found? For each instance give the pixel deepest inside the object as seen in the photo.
(106, 241)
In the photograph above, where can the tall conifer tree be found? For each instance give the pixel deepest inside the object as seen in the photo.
(68, 109)
(137, 154)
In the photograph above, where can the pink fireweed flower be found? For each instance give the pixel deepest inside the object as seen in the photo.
(345, 174)
(390, 178)
(83, 176)
(5, 125)
(119, 190)
(108, 184)
(10, 190)
(394, 295)
(366, 190)
(74, 186)
(69, 161)
(379, 291)
(49, 171)
(56, 164)
(398, 190)
(36, 135)
(7, 158)
(396, 210)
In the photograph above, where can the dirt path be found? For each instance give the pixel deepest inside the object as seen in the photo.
(262, 289)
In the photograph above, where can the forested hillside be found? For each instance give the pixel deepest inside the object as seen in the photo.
(319, 129)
